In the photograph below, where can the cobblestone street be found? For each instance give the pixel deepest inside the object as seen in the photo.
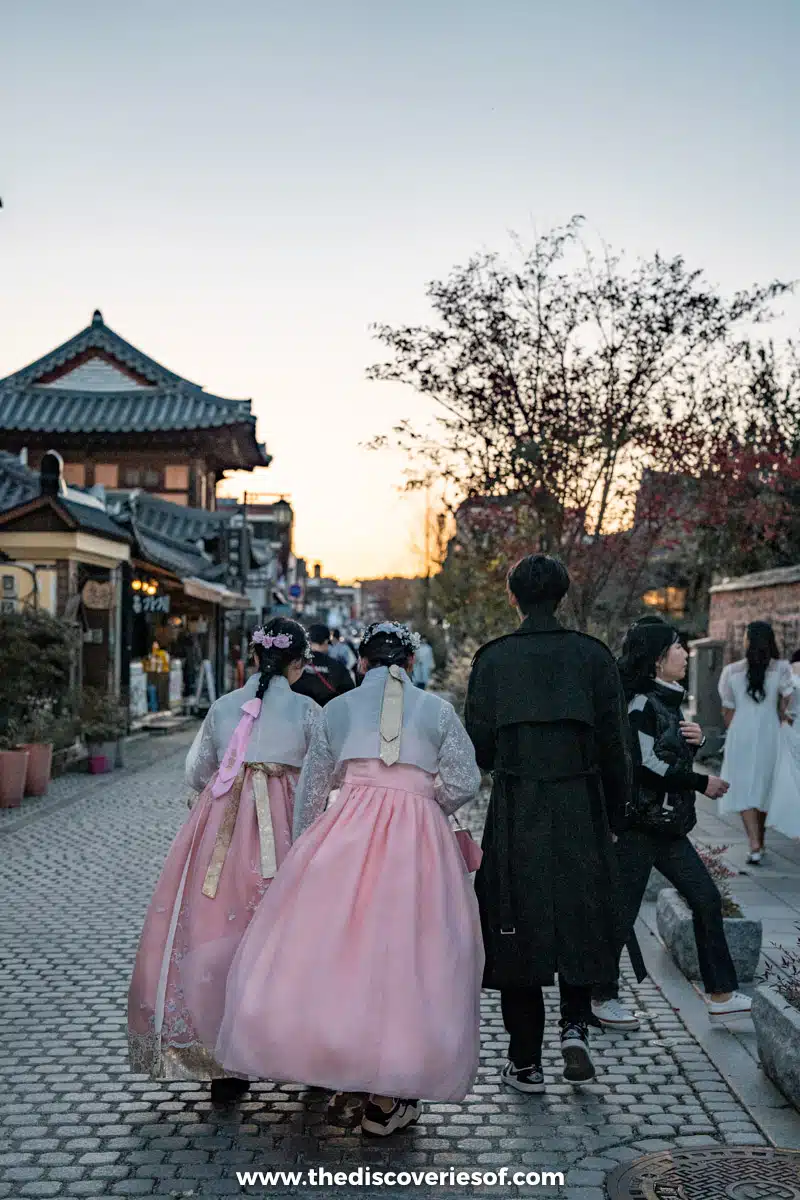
(77, 875)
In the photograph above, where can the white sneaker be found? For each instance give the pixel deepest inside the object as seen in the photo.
(613, 1015)
(738, 1006)
(378, 1123)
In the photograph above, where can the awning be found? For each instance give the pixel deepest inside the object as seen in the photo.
(214, 593)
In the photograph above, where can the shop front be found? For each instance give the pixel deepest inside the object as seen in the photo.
(175, 642)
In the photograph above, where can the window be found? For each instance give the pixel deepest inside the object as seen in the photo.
(176, 478)
(107, 474)
(132, 477)
(669, 600)
(152, 479)
(75, 474)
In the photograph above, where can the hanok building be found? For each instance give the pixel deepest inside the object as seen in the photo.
(120, 419)
(146, 448)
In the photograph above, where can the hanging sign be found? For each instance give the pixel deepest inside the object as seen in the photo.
(97, 594)
(150, 604)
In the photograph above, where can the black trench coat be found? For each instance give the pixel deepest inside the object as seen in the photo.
(546, 712)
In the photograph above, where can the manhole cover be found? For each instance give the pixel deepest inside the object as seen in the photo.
(718, 1173)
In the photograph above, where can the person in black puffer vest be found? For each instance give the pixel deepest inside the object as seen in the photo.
(662, 814)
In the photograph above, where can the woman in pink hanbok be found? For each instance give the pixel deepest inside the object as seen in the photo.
(361, 970)
(245, 763)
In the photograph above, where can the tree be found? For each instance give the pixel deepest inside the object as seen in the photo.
(557, 381)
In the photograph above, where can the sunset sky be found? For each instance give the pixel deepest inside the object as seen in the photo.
(243, 188)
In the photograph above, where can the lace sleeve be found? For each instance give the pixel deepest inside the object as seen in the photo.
(201, 761)
(316, 780)
(311, 718)
(459, 779)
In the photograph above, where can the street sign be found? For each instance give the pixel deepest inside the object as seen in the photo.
(296, 591)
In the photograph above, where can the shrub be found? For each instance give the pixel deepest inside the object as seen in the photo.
(102, 718)
(36, 658)
(722, 874)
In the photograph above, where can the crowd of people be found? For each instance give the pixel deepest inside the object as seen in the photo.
(316, 919)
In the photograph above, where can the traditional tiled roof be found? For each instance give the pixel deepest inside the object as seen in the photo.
(54, 410)
(94, 520)
(18, 483)
(42, 398)
(163, 518)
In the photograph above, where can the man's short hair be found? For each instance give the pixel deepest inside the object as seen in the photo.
(319, 634)
(538, 581)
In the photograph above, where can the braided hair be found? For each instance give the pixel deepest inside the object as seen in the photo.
(761, 649)
(388, 644)
(272, 658)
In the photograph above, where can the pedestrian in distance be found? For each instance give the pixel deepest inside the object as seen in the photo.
(784, 800)
(244, 762)
(341, 651)
(424, 665)
(361, 972)
(545, 711)
(755, 693)
(323, 677)
(662, 815)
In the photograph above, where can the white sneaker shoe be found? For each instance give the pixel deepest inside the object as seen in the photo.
(738, 1006)
(613, 1015)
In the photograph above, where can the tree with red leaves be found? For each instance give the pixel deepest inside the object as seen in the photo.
(561, 383)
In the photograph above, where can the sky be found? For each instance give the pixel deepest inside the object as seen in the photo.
(244, 188)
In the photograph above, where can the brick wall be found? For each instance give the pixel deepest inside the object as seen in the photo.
(731, 612)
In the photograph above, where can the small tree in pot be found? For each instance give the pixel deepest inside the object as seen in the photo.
(103, 722)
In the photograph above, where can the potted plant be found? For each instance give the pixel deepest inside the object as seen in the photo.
(13, 768)
(37, 737)
(103, 722)
(776, 1017)
(675, 925)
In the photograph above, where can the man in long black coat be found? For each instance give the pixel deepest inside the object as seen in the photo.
(546, 713)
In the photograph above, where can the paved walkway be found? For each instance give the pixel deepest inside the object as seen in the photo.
(77, 875)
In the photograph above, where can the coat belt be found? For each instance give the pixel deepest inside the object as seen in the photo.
(259, 773)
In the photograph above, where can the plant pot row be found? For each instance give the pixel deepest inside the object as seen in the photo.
(27, 769)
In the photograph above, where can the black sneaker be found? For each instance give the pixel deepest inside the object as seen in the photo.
(345, 1109)
(228, 1090)
(578, 1065)
(378, 1123)
(524, 1079)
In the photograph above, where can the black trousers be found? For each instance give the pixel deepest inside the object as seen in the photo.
(678, 861)
(523, 1017)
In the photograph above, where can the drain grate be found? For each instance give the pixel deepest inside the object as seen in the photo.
(718, 1173)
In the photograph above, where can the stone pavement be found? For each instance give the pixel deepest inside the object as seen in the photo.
(77, 875)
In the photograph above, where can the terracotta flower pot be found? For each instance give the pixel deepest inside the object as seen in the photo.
(40, 762)
(13, 769)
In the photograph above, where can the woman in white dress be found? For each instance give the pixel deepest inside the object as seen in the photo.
(755, 692)
(784, 802)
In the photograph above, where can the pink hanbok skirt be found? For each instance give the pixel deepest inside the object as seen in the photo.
(361, 970)
(177, 991)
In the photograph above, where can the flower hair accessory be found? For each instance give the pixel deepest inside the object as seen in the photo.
(394, 629)
(278, 641)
